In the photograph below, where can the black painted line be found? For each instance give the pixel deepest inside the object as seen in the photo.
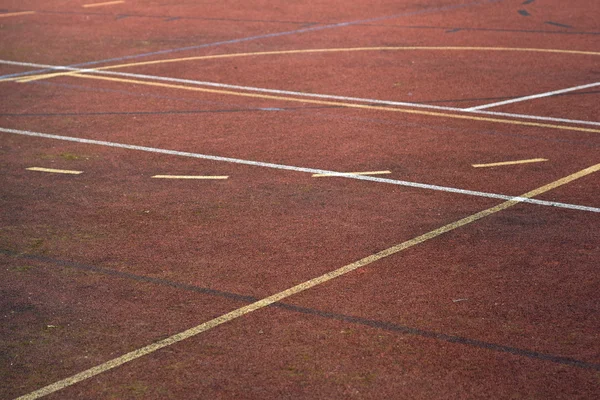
(172, 18)
(324, 115)
(524, 13)
(528, 2)
(557, 24)
(446, 28)
(85, 114)
(387, 326)
(444, 128)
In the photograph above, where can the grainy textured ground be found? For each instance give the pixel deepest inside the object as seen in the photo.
(106, 262)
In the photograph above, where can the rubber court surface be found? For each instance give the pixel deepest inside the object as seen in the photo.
(300, 200)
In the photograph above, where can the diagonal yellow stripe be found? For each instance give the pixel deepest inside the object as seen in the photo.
(16, 13)
(294, 290)
(497, 164)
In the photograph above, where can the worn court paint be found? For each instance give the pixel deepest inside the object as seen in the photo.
(240, 312)
(497, 164)
(301, 169)
(55, 171)
(273, 35)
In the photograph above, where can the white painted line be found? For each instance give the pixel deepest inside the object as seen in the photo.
(190, 177)
(533, 96)
(496, 164)
(55, 171)
(534, 117)
(108, 3)
(293, 93)
(354, 173)
(301, 169)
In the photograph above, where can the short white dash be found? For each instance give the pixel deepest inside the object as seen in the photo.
(190, 177)
(55, 171)
(352, 173)
(108, 3)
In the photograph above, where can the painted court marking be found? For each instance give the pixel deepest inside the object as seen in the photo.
(16, 13)
(276, 34)
(171, 340)
(108, 3)
(354, 173)
(533, 96)
(496, 164)
(308, 51)
(190, 177)
(55, 171)
(103, 70)
(301, 169)
(351, 105)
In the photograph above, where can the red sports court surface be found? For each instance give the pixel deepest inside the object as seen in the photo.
(300, 200)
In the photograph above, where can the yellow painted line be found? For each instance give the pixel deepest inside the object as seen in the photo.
(56, 171)
(342, 104)
(108, 3)
(190, 177)
(496, 164)
(308, 51)
(354, 173)
(178, 337)
(16, 13)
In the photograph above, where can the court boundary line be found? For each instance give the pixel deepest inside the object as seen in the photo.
(302, 169)
(77, 72)
(533, 96)
(307, 51)
(350, 105)
(301, 287)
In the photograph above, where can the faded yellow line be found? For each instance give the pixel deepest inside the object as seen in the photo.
(16, 13)
(56, 171)
(108, 3)
(308, 51)
(496, 164)
(190, 177)
(294, 290)
(342, 104)
(354, 173)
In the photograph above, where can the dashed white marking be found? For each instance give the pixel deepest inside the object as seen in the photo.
(302, 169)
